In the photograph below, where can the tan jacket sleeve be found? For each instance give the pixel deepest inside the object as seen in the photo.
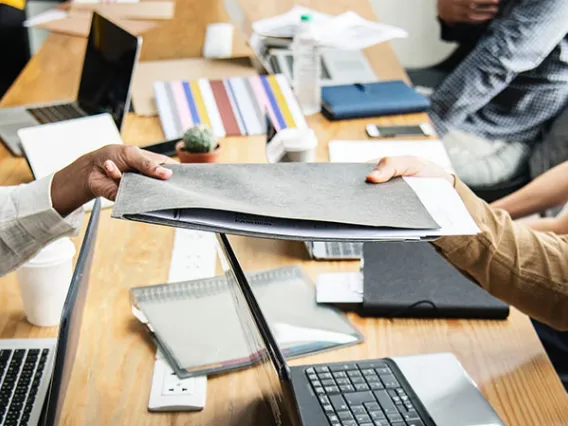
(525, 268)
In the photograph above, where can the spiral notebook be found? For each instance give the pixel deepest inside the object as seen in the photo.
(197, 327)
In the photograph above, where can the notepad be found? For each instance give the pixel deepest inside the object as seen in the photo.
(230, 107)
(197, 327)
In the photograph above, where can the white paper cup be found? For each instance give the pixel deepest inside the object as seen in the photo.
(299, 144)
(44, 281)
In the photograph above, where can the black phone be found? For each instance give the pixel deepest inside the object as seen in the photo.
(167, 148)
(374, 131)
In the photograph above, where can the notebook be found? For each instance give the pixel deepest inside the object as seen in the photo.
(371, 100)
(412, 280)
(51, 147)
(230, 107)
(295, 201)
(196, 326)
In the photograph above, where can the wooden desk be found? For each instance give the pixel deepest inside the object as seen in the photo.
(111, 377)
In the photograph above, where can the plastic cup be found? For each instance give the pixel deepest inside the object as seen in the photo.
(299, 144)
(44, 281)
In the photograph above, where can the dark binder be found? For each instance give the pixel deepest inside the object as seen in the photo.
(371, 100)
(411, 280)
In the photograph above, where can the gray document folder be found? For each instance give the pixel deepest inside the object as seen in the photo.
(328, 201)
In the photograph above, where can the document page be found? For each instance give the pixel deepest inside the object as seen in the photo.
(343, 151)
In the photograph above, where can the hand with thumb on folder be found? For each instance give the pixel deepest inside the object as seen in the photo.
(527, 279)
(391, 167)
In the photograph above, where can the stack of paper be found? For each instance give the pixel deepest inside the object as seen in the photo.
(347, 31)
(295, 201)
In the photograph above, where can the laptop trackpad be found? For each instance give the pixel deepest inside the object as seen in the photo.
(449, 395)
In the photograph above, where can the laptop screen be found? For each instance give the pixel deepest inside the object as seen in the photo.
(270, 366)
(107, 70)
(70, 325)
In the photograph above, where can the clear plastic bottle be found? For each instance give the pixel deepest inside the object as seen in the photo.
(307, 68)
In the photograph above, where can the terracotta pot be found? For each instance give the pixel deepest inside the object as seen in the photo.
(200, 157)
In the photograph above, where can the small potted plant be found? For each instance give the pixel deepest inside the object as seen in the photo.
(198, 145)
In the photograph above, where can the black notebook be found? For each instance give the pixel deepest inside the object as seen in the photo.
(413, 280)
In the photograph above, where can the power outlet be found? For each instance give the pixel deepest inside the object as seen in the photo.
(194, 256)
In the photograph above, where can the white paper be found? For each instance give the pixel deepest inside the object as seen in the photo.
(47, 16)
(349, 31)
(340, 287)
(444, 205)
(286, 25)
(364, 151)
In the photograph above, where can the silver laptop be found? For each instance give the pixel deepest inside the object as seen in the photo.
(338, 66)
(420, 390)
(108, 67)
(34, 373)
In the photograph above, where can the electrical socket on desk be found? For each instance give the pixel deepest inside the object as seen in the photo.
(194, 256)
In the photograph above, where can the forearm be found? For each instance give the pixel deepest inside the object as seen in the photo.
(546, 191)
(28, 222)
(515, 42)
(520, 266)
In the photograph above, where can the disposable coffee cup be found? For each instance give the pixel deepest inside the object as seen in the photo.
(44, 281)
(299, 144)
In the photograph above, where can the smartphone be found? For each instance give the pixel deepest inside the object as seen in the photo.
(374, 131)
(167, 148)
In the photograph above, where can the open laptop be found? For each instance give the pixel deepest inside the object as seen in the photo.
(108, 67)
(34, 373)
(337, 66)
(421, 390)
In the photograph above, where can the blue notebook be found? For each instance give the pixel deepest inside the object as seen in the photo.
(371, 100)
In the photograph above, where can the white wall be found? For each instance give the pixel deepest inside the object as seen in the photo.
(423, 46)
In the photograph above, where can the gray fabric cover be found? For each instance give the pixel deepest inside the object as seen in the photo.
(323, 192)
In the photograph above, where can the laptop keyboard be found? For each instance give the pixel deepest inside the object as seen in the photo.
(21, 371)
(363, 394)
(344, 250)
(55, 113)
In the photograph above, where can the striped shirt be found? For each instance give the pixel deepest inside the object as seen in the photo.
(515, 80)
(28, 222)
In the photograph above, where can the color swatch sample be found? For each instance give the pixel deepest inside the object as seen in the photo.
(230, 107)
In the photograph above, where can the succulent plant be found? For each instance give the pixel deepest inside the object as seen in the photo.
(199, 139)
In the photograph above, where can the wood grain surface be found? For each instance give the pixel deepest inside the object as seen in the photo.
(111, 377)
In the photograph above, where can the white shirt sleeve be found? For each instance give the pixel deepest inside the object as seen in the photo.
(28, 222)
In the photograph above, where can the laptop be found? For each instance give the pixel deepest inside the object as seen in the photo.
(108, 67)
(338, 67)
(421, 390)
(34, 373)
